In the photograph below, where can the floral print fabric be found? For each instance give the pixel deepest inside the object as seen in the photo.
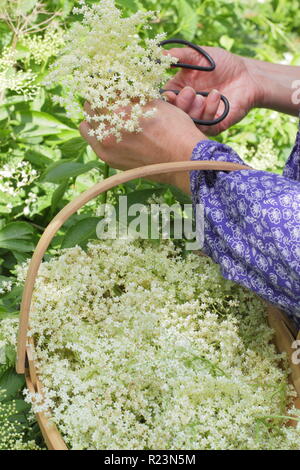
(252, 224)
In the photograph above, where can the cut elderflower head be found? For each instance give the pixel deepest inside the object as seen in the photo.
(138, 347)
(105, 63)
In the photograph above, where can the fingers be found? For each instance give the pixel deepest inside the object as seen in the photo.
(170, 96)
(208, 110)
(87, 108)
(197, 107)
(85, 131)
(99, 149)
(185, 99)
(89, 114)
(212, 103)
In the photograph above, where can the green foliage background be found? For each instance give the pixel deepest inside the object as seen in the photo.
(37, 132)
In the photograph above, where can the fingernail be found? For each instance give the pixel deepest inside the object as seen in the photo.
(215, 94)
(188, 92)
(190, 88)
(169, 96)
(200, 100)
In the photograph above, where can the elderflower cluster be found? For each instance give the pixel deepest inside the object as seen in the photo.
(41, 48)
(18, 80)
(17, 175)
(141, 348)
(5, 287)
(12, 429)
(8, 338)
(265, 157)
(105, 63)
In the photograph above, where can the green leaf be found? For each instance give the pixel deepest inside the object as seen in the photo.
(62, 136)
(188, 19)
(39, 100)
(41, 119)
(14, 99)
(59, 171)
(21, 406)
(11, 382)
(35, 157)
(5, 279)
(17, 236)
(128, 5)
(10, 350)
(73, 148)
(16, 230)
(81, 232)
(17, 245)
(33, 124)
(12, 299)
(142, 196)
(58, 194)
(22, 257)
(5, 313)
(179, 195)
(226, 42)
(4, 115)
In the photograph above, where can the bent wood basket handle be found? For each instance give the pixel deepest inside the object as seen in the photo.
(76, 204)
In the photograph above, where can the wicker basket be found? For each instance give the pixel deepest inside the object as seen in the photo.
(285, 333)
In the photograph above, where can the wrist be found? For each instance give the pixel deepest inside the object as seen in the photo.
(273, 85)
(183, 153)
(259, 84)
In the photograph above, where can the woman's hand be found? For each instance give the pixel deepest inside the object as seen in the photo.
(169, 136)
(231, 78)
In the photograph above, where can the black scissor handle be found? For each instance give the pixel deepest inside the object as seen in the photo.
(204, 69)
(196, 48)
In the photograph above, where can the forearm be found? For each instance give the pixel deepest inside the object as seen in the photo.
(278, 85)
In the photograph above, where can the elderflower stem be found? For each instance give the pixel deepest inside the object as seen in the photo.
(2, 96)
(105, 175)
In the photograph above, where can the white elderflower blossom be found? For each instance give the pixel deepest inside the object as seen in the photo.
(105, 63)
(12, 430)
(8, 335)
(11, 78)
(139, 348)
(5, 287)
(265, 157)
(41, 48)
(14, 176)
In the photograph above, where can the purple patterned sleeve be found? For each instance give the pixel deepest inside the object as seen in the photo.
(292, 167)
(252, 224)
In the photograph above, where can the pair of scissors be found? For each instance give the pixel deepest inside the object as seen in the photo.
(210, 68)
